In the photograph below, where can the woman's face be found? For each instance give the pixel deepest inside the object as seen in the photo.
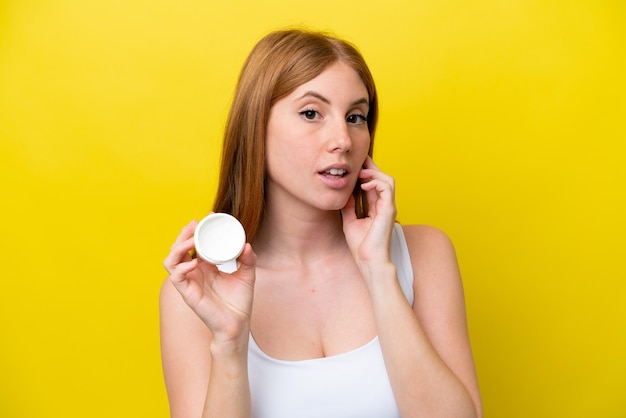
(317, 141)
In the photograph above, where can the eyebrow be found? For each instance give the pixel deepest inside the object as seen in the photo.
(362, 100)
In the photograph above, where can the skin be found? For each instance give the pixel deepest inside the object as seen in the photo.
(319, 282)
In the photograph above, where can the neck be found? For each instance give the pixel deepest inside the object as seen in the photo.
(300, 237)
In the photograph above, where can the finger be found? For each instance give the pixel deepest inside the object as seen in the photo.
(247, 265)
(178, 275)
(380, 196)
(372, 198)
(370, 174)
(247, 257)
(378, 180)
(379, 185)
(369, 163)
(182, 237)
(180, 252)
(186, 232)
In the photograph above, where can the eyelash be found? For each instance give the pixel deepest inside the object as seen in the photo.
(307, 112)
(362, 118)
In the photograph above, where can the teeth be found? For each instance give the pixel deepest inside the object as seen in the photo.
(336, 172)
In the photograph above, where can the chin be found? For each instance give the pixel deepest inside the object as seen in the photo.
(335, 204)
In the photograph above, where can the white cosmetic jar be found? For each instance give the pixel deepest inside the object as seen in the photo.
(219, 239)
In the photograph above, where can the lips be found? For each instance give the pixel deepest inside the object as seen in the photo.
(337, 171)
(336, 176)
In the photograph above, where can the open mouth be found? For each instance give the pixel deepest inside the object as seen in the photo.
(335, 172)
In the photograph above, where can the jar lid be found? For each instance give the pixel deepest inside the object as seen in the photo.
(219, 238)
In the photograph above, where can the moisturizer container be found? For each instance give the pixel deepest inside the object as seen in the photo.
(219, 239)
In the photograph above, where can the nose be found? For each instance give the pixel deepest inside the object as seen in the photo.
(339, 137)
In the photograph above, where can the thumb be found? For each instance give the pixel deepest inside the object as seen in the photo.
(247, 260)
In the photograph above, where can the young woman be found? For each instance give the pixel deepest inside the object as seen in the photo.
(336, 310)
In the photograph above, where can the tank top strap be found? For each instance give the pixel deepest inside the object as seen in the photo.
(402, 260)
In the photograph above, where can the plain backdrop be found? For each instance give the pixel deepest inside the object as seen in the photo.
(503, 123)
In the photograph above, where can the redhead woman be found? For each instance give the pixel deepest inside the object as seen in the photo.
(336, 310)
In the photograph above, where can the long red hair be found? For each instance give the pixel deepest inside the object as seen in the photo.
(279, 63)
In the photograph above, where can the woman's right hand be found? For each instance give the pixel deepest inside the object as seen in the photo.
(223, 301)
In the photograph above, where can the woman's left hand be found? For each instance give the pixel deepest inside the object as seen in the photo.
(369, 238)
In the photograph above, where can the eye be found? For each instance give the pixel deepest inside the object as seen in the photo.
(357, 119)
(310, 114)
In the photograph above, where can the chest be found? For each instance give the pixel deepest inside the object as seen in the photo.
(296, 318)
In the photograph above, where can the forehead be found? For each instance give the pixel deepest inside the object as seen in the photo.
(336, 79)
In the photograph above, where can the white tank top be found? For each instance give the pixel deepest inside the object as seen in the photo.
(353, 384)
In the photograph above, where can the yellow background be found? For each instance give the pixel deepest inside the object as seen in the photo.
(502, 121)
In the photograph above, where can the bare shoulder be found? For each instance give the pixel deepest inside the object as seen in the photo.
(432, 252)
(426, 235)
(437, 281)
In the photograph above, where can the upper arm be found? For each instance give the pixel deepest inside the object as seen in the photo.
(185, 341)
(440, 303)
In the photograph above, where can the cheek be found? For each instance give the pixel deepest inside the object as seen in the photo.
(362, 146)
(282, 157)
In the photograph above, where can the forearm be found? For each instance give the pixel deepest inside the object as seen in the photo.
(421, 381)
(228, 393)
